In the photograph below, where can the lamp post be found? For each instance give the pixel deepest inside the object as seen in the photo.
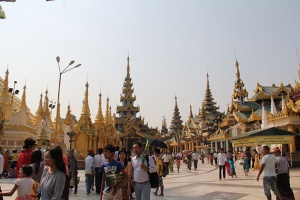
(13, 91)
(59, 83)
(71, 138)
(52, 106)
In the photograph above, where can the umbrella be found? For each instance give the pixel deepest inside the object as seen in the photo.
(157, 143)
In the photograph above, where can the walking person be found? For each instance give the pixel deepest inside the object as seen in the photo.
(126, 188)
(246, 163)
(99, 161)
(159, 169)
(283, 176)
(268, 165)
(202, 157)
(73, 170)
(232, 168)
(216, 158)
(177, 161)
(24, 156)
(166, 159)
(142, 187)
(221, 163)
(89, 171)
(171, 162)
(54, 176)
(256, 160)
(112, 166)
(37, 165)
(23, 185)
(195, 157)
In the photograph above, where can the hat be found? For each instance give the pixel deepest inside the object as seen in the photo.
(91, 151)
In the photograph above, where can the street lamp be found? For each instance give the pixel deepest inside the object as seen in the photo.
(59, 83)
(52, 106)
(71, 138)
(13, 91)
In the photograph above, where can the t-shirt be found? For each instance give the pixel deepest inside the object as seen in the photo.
(166, 158)
(15, 157)
(89, 164)
(114, 167)
(195, 156)
(269, 160)
(24, 186)
(23, 159)
(282, 165)
(221, 159)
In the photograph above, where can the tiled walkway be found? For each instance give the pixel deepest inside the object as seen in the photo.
(202, 184)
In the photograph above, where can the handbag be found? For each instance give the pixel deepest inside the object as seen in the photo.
(153, 177)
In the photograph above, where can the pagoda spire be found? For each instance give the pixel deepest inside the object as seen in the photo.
(23, 105)
(99, 115)
(39, 112)
(176, 123)
(164, 129)
(85, 106)
(107, 113)
(128, 68)
(47, 113)
(68, 120)
(239, 92)
(191, 112)
(4, 95)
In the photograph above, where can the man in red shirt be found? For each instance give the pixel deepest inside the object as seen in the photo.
(25, 154)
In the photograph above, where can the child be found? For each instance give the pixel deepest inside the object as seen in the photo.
(23, 184)
(232, 168)
(177, 161)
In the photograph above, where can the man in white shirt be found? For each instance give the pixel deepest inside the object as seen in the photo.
(142, 186)
(89, 170)
(195, 157)
(268, 165)
(99, 160)
(221, 163)
(166, 160)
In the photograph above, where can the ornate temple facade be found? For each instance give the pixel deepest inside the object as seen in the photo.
(196, 130)
(129, 126)
(270, 106)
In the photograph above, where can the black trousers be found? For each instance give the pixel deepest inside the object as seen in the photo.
(220, 169)
(98, 179)
(195, 164)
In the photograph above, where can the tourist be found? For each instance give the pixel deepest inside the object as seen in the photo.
(126, 189)
(37, 165)
(99, 160)
(24, 184)
(268, 165)
(112, 166)
(195, 157)
(211, 158)
(232, 168)
(202, 157)
(177, 161)
(142, 187)
(14, 158)
(89, 170)
(179, 155)
(73, 170)
(6, 157)
(221, 163)
(171, 162)
(227, 164)
(54, 176)
(116, 152)
(24, 156)
(189, 160)
(248, 154)
(65, 195)
(166, 159)
(256, 160)
(283, 176)
(159, 170)
(246, 163)
(216, 157)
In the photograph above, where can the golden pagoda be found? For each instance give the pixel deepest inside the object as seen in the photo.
(131, 128)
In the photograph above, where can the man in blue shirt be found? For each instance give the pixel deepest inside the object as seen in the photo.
(112, 166)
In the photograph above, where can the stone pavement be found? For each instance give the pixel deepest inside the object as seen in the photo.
(202, 184)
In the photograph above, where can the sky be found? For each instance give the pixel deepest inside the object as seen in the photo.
(172, 45)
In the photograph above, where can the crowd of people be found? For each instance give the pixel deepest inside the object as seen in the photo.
(53, 175)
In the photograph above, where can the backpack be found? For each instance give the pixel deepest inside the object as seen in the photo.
(153, 177)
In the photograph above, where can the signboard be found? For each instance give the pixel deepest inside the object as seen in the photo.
(274, 139)
(245, 142)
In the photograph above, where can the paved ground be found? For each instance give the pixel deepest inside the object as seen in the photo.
(202, 184)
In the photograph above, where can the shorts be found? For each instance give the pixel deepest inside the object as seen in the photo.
(269, 182)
